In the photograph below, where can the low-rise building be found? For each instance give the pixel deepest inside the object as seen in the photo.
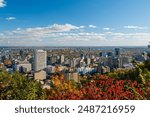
(40, 75)
(24, 67)
(72, 76)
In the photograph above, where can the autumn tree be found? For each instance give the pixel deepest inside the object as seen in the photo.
(18, 87)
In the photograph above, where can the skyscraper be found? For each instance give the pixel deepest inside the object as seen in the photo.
(53, 60)
(87, 61)
(3, 54)
(73, 63)
(145, 55)
(22, 54)
(82, 56)
(117, 52)
(62, 59)
(40, 60)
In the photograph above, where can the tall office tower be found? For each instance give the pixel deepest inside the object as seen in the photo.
(40, 60)
(109, 54)
(0, 56)
(87, 61)
(22, 54)
(62, 59)
(53, 60)
(148, 51)
(145, 55)
(11, 54)
(82, 56)
(117, 52)
(114, 62)
(3, 54)
(149, 46)
(73, 63)
(102, 54)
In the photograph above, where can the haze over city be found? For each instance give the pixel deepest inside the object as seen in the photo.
(74, 22)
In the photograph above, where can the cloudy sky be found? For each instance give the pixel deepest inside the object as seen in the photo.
(74, 22)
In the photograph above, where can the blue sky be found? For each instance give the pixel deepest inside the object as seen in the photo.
(75, 22)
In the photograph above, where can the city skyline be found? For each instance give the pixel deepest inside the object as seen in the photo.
(74, 23)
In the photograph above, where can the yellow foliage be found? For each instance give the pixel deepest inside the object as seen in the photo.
(61, 85)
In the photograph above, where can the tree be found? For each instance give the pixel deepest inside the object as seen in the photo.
(15, 86)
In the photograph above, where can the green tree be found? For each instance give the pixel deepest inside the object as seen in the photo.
(15, 86)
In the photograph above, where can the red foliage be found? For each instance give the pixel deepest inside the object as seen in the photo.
(104, 88)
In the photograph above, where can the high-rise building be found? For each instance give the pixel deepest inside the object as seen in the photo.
(40, 60)
(114, 62)
(62, 59)
(22, 54)
(73, 63)
(87, 61)
(11, 54)
(103, 54)
(53, 60)
(148, 52)
(145, 55)
(149, 46)
(109, 54)
(82, 56)
(3, 54)
(117, 52)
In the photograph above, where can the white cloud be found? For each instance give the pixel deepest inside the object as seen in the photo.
(68, 34)
(2, 3)
(92, 26)
(18, 29)
(82, 26)
(135, 27)
(52, 28)
(10, 18)
(106, 28)
(66, 27)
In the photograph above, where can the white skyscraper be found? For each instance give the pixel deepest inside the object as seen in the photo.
(40, 60)
(62, 59)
